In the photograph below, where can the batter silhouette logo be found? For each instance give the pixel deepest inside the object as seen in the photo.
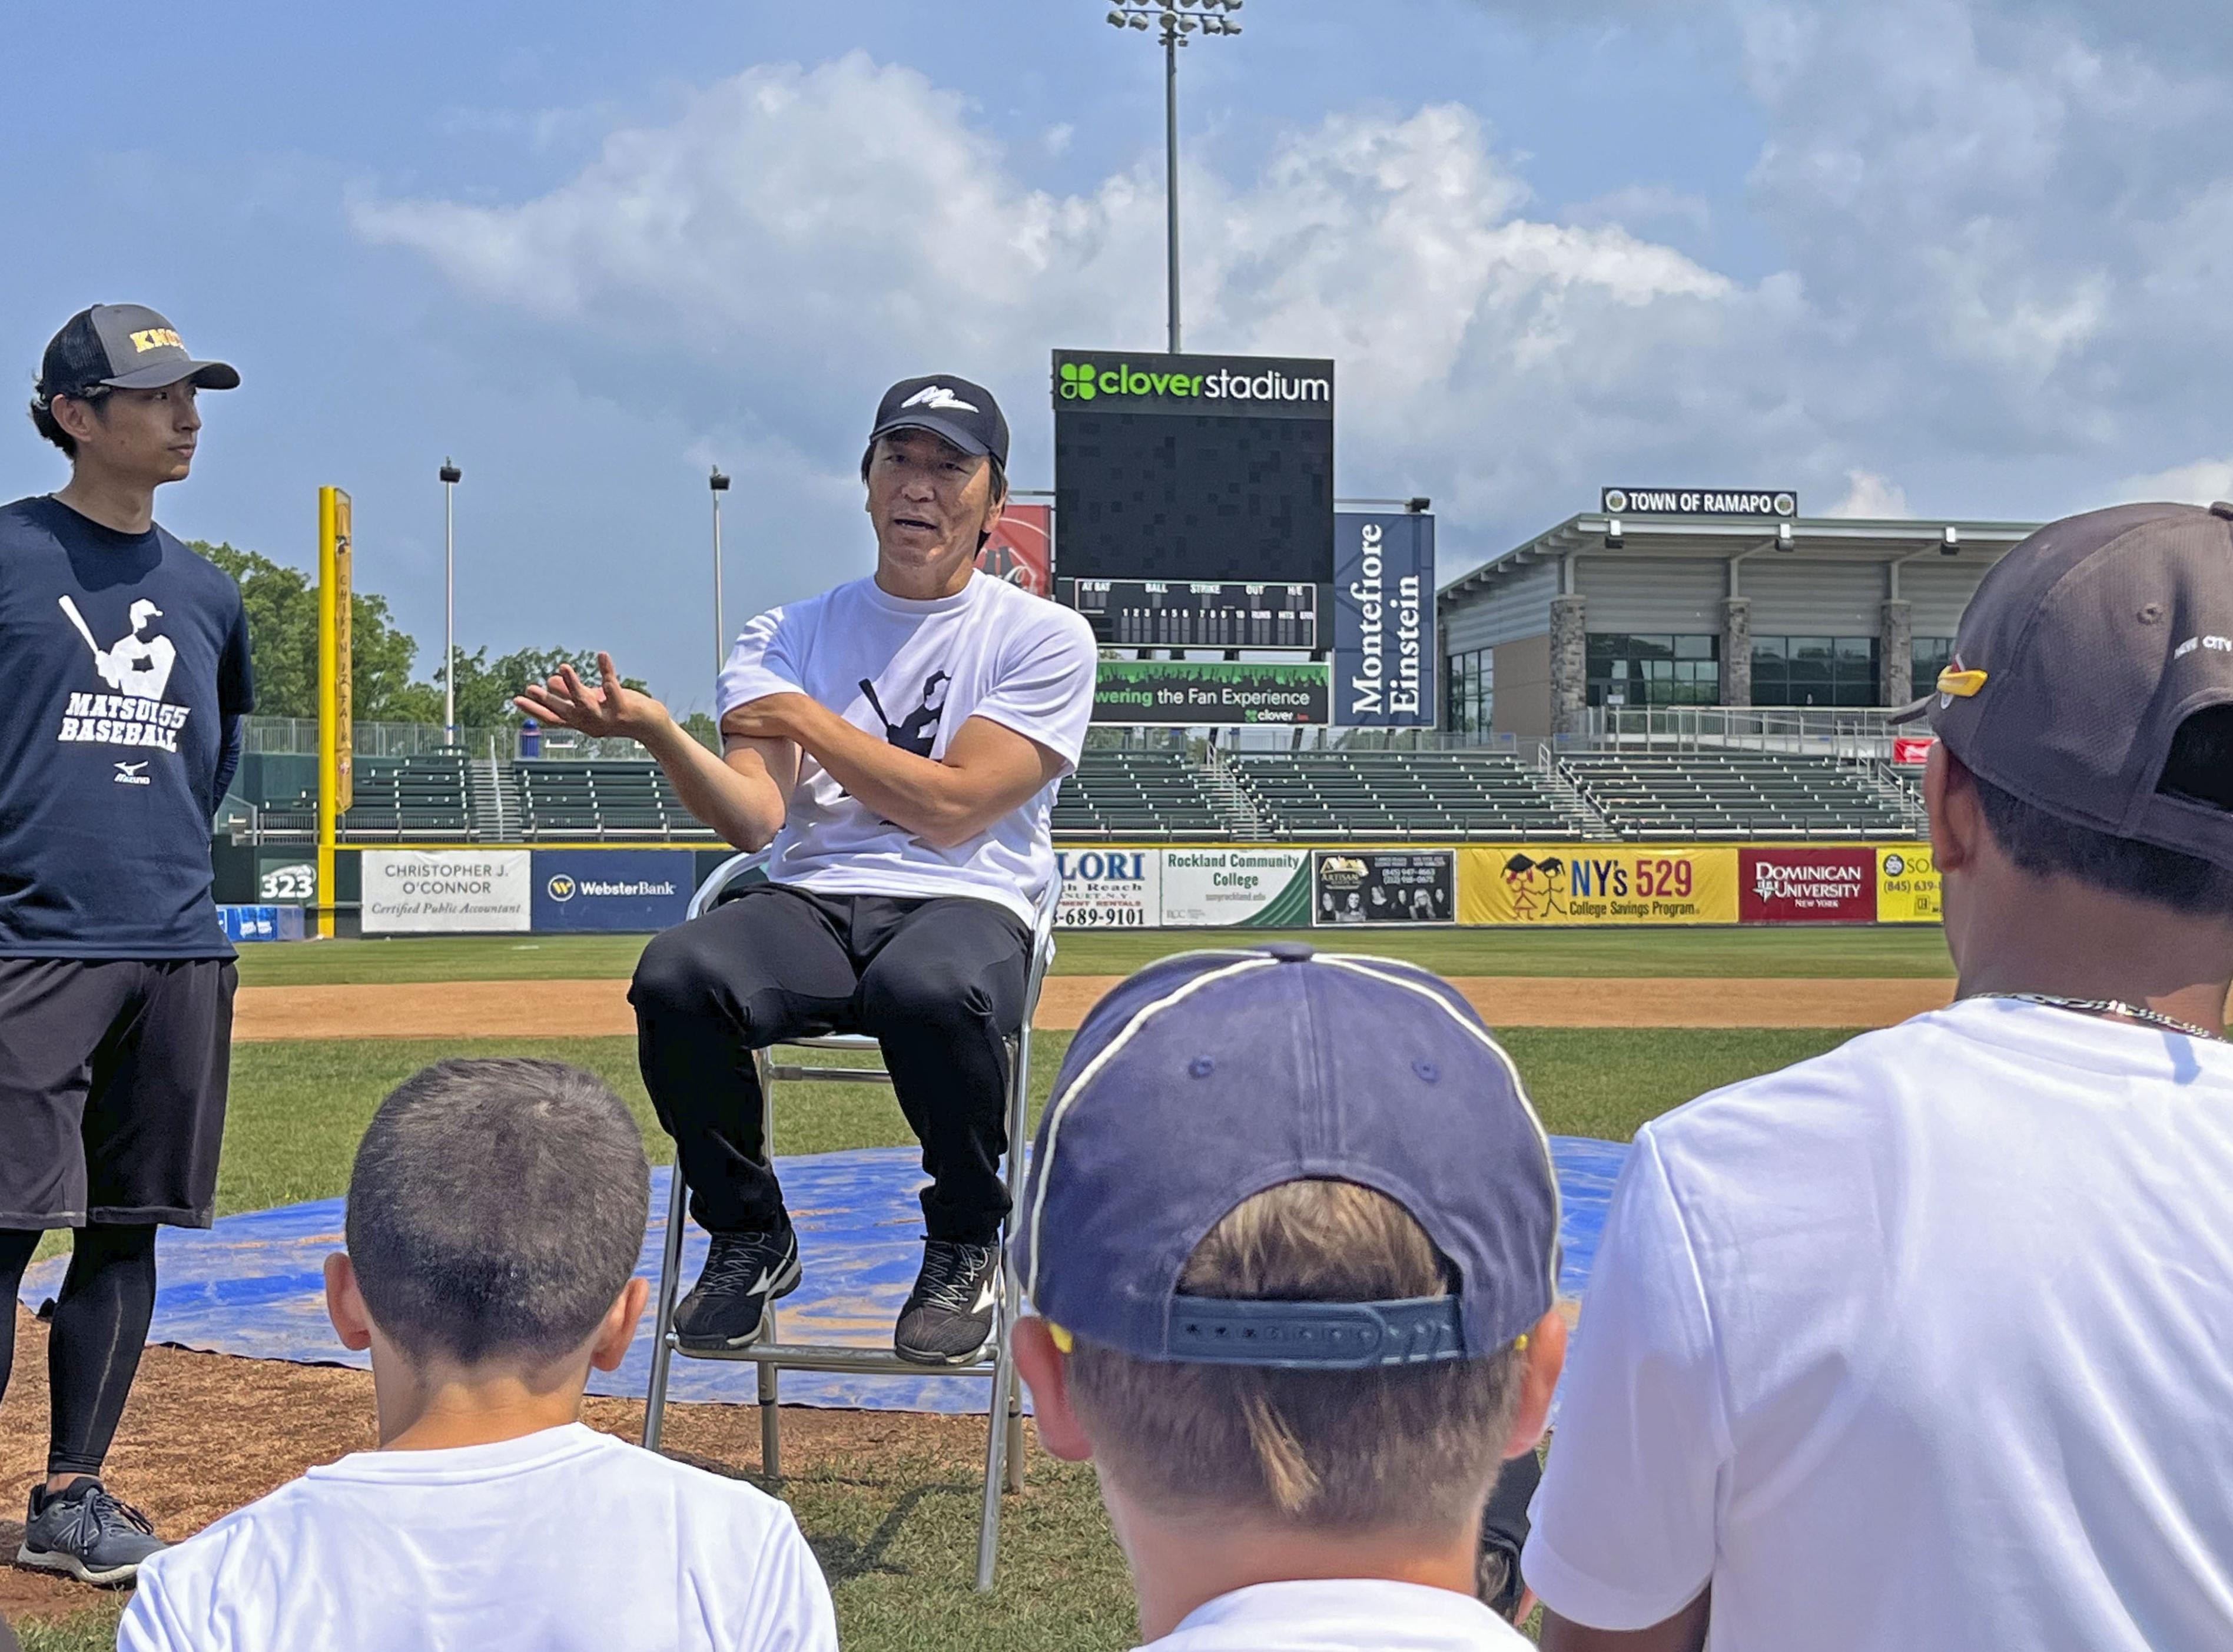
(918, 730)
(138, 666)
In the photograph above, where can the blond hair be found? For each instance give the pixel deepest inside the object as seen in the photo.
(1409, 1447)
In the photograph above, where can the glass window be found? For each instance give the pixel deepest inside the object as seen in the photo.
(1655, 669)
(1932, 656)
(1469, 680)
(1814, 671)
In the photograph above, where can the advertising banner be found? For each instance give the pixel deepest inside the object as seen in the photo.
(1384, 621)
(627, 891)
(1599, 883)
(1912, 749)
(1772, 503)
(1384, 887)
(1020, 550)
(1261, 888)
(451, 892)
(1200, 692)
(1804, 886)
(1907, 885)
(1115, 888)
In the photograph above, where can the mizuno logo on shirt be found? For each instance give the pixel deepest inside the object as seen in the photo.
(128, 774)
(938, 398)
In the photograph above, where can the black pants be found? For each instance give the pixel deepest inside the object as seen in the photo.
(939, 982)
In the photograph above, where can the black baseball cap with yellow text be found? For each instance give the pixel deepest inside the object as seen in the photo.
(123, 346)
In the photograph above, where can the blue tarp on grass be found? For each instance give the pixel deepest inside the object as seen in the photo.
(252, 1284)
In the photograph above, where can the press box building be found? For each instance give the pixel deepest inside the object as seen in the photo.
(1622, 608)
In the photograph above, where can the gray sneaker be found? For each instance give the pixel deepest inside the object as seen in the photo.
(86, 1532)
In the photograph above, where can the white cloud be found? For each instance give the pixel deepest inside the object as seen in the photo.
(2203, 481)
(1868, 494)
(1635, 205)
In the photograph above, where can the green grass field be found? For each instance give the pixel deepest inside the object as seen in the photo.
(1826, 952)
(895, 1530)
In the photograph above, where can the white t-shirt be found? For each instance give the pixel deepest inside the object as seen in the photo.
(1926, 1342)
(913, 672)
(1340, 1614)
(566, 1540)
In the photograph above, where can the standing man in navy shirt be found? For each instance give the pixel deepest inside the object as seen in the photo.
(128, 673)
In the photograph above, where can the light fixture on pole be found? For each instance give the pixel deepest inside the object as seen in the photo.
(1178, 20)
(451, 476)
(720, 485)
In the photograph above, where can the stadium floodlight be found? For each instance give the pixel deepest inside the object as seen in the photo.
(450, 476)
(720, 485)
(1178, 21)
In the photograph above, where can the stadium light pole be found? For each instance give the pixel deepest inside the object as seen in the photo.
(720, 485)
(1178, 21)
(451, 476)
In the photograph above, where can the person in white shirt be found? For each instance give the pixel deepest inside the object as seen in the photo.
(896, 743)
(1292, 1237)
(496, 1212)
(1929, 1342)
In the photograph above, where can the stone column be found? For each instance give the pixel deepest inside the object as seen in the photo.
(1895, 653)
(1736, 651)
(1570, 663)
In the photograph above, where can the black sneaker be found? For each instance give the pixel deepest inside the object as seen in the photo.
(742, 1273)
(86, 1532)
(949, 1317)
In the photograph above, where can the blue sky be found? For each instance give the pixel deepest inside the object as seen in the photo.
(1960, 257)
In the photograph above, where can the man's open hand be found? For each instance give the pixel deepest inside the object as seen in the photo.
(609, 709)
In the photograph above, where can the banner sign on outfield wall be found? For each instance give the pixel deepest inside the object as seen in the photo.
(1258, 889)
(1020, 549)
(1599, 883)
(1115, 889)
(1912, 749)
(445, 892)
(1374, 886)
(614, 890)
(1807, 886)
(1201, 692)
(1384, 621)
(1907, 885)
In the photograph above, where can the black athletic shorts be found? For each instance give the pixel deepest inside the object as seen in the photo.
(112, 1089)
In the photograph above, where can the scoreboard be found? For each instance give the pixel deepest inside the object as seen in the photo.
(1191, 470)
(1158, 613)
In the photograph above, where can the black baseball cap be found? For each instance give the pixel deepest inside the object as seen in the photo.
(1212, 1076)
(123, 346)
(2085, 650)
(964, 413)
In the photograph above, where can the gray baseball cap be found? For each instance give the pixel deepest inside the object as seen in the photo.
(123, 346)
(2085, 651)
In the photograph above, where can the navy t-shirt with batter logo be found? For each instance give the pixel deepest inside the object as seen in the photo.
(124, 654)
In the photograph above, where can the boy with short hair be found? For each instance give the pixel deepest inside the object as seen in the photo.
(495, 1212)
(1292, 1227)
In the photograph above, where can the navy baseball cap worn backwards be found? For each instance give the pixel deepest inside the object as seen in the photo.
(1210, 1077)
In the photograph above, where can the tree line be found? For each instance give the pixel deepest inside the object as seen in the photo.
(282, 635)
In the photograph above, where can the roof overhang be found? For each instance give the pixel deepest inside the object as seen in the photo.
(1846, 539)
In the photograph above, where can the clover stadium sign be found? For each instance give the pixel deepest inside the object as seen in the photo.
(1194, 384)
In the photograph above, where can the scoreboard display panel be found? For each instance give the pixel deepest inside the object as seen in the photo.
(1193, 469)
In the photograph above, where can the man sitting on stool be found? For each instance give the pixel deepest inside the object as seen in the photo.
(899, 741)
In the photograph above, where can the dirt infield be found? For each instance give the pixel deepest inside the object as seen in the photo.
(205, 1434)
(594, 1009)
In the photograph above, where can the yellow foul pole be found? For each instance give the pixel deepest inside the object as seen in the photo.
(336, 739)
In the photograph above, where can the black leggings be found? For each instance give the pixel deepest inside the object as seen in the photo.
(940, 983)
(93, 1351)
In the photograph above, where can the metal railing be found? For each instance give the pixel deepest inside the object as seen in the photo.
(1855, 734)
(298, 737)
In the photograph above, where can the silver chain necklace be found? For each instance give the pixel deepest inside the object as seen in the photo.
(2116, 1008)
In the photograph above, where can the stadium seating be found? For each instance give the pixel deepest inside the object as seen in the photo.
(419, 797)
(620, 800)
(1733, 795)
(1146, 795)
(1306, 794)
